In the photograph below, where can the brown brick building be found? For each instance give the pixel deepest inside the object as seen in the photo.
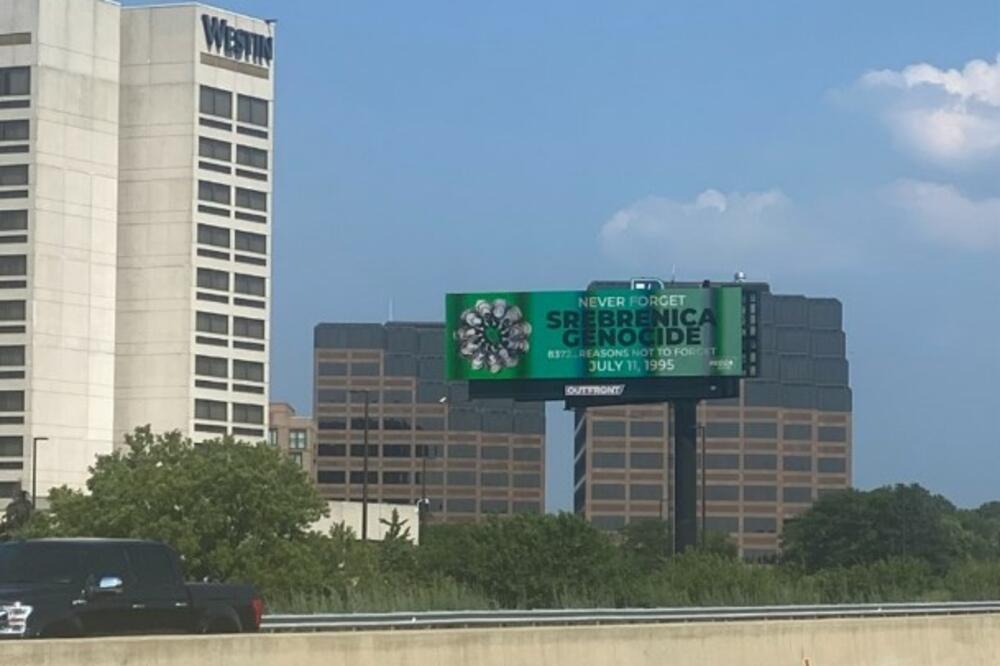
(768, 454)
(426, 438)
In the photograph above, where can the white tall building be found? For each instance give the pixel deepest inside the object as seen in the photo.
(135, 216)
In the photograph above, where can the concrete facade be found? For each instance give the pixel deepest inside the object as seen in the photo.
(108, 251)
(194, 228)
(468, 458)
(768, 454)
(958, 640)
(59, 259)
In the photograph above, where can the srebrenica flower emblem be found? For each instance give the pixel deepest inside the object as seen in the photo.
(492, 335)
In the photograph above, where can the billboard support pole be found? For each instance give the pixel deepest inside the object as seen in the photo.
(685, 474)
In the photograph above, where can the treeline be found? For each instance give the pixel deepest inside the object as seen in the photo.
(241, 512)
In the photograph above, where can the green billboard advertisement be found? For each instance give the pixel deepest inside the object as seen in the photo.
(607, 333)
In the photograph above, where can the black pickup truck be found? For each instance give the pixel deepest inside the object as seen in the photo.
(94, 587)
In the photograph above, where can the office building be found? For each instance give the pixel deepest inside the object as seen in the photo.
(769, 453)
(426, 438)
(194, 222)
(135, 183)
(294, 435)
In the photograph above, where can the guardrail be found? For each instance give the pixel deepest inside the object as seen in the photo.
(596, 616)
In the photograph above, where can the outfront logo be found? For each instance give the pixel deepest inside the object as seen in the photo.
(237, 44)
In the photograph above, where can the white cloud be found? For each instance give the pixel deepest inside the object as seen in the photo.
(758, 232)
(943, 213)
(947, 116)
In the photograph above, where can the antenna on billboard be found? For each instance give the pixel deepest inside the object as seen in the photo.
(390, 310)
(673, 273)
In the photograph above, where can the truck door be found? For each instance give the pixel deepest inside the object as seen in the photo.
(160, 599)
(105, 611)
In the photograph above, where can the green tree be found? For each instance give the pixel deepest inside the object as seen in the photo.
(646, 543)
(527, 560)
(855, 527)
(234, 511)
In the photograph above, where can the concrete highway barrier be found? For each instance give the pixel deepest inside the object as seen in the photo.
(962, 640)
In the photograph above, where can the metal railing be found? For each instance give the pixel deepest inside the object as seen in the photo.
(597, 616)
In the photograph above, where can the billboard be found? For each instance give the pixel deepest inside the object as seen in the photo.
(597, 334)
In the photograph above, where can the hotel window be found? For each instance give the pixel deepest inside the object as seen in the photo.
(248, 328)
(15, 264)
(208, 322)
(212, 279)
(297, 439)
(247, 413)
(15, 174)
(11, 401)
(250, 199)
(11, 446)
(251, 157)
(12, 310)
(14, 130)
(15, 81)
(12, 355)
(248, 371)
(250, 284)
(252, 110)
(215, 102)
(216, 150)
(13, 220)
(272, 437)
(210, 410)
(214, 192)
(210, 235)
(249, 242)
(211, 366)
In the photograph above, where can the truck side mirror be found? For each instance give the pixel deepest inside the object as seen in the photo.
(107, 586)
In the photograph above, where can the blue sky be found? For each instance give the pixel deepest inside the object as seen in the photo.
(442, 146)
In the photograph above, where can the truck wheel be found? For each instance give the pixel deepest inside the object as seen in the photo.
(226, 623)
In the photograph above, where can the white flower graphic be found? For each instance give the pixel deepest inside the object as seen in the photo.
(492, 335)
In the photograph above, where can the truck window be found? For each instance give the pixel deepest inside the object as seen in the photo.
(106, 561)
(152, 566)
(40, 563)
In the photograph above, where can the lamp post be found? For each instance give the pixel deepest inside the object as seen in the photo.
(704, 534)
(34, 468)
(364, 472)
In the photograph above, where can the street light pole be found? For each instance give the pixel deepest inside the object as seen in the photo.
(364, 481)
(704, 534)
(34, 469)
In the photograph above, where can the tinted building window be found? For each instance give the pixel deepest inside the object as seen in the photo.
(208, 322)
(760, 430)
(11, 446)
(495, 453)
(214, 192)
(211, 366)
(13, 220)
(646, 461)
(248, 328)
(796, 463)
(461, 478)
(15, 81)
(797, 494)
(527, 481)
(607, 491)
(252, 110)
(330, 476)
(760, 493)
(609, 460)
(11, 355)
(251, 199)
(527, 454)
(251, 157)
(722, 493)
(248, 371)
(495, 479)
(248, 242)
(461, 505)
(757, 524)
(645, 491)
(14, 130)
(213, 279)
(209, 235)
(646, 428)
(216, 150)
(831, 465)
(250, 285)
(760, 461)
(609, 428)
(494, 506)
(210, 410)
(724, 429)
(798, 431)
(832, 434)
(215, 102)
(12, 310)
(15, 174)
(722, 461)
(725, 524)
(248, 413)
